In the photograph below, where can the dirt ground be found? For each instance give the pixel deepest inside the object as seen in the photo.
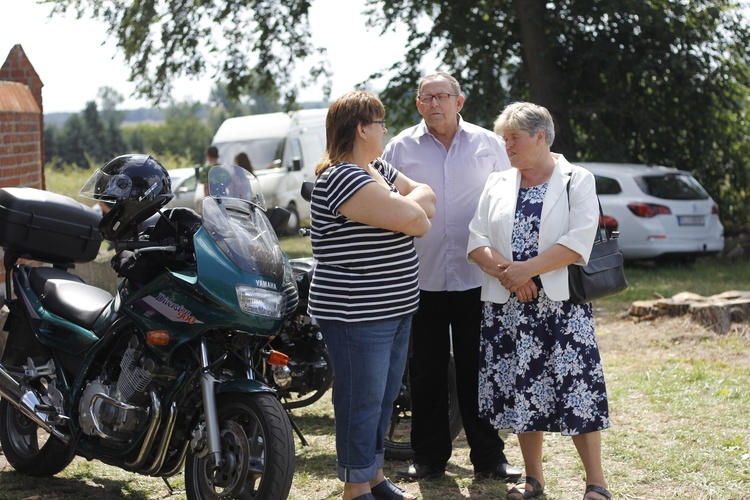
(619, 336)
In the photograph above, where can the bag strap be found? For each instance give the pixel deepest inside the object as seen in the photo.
(603, 229)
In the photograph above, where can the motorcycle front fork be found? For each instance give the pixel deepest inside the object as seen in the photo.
(208, 384)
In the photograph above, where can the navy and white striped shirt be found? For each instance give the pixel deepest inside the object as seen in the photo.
(363, 273)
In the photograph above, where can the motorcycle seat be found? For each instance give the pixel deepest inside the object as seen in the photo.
(39, 276)
(68, 296)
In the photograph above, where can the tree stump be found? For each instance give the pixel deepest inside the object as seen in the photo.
(716, 312)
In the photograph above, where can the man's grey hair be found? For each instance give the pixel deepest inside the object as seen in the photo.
(528, 117)
(440, 74)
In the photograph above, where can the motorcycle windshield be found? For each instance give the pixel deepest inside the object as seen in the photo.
(233, 218)
(233, 182)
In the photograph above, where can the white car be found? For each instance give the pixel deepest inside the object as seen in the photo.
(183, 187)
(661, 212)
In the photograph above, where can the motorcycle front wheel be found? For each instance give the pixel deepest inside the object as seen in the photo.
(398, 438)
(257, 452)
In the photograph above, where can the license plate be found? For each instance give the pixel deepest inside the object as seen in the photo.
(691, 220)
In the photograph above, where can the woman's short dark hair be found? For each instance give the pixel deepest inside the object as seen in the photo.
(344, 115)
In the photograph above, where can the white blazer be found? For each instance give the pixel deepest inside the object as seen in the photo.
(572, 224)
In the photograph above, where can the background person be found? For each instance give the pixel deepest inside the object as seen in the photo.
(364, 292)
(540, 368)
(212, 159)
(454, 158)
(242, 160)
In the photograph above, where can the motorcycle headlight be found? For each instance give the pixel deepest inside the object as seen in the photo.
(260, 302)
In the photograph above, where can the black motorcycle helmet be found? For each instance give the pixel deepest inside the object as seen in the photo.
(134, 186)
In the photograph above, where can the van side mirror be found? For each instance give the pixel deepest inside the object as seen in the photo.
(296, 165)
(306, 190)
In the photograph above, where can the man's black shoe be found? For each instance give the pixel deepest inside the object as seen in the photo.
(420, 471)
(502, 472)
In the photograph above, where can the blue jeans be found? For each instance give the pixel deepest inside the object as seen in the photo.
(368, 361)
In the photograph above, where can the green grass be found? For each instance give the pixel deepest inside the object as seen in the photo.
(296, 246)
(678, 397)
(67, 180)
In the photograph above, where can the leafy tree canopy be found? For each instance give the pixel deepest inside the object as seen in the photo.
(254, 45)
(657, 81)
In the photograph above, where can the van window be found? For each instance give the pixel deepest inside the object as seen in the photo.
(262, 152)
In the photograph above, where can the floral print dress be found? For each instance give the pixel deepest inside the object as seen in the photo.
(540, 368)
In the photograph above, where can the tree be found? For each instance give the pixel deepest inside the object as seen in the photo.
(255, 45)
(183, 133)
(70, 143)
(657, 81)
(95, 139)
(109, 99)
(222, 105)
(114, 143)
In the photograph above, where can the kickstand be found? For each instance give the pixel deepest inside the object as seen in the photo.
(296, 429)
(169, 486)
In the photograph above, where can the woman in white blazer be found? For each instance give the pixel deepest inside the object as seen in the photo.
(540, 368)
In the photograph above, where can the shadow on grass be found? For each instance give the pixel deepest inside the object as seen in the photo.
(15, 485)
(314, 425)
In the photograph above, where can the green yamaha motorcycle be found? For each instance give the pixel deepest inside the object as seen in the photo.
(166, 375)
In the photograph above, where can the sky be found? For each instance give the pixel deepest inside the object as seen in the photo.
(74, 57)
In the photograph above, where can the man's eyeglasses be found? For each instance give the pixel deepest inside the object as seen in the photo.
(441, 97)
(381, 122)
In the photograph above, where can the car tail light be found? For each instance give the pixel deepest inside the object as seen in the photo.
(714, 209)
(609, 222)
(648, 209)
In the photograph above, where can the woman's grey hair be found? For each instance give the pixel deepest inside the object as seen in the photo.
(528, 117)
(440, 74)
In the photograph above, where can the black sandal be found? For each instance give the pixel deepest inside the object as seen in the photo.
(537, 490)
(593, 488)
(386, 490)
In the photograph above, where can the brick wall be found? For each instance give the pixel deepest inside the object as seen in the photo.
(20, 137)
(21, 127)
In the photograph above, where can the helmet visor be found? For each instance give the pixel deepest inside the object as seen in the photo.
(104, 187)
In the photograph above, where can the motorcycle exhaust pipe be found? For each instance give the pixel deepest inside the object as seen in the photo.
(26, 402)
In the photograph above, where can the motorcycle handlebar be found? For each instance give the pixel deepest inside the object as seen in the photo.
(166, 248)
(144, 246)
(132, 245)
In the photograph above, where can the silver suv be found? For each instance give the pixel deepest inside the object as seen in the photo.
(660, 212)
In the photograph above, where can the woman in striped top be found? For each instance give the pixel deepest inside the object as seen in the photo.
(364, 290)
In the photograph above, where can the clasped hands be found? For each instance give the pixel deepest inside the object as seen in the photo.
(515, 279)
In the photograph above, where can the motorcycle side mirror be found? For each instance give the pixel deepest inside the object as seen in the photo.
(278, 217)
(306, 190)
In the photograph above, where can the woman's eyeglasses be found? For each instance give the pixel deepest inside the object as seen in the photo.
(381, 122)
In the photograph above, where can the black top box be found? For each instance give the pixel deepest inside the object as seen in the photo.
(49, 227)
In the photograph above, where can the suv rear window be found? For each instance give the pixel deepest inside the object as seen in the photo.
(677, 186)
(607, 185)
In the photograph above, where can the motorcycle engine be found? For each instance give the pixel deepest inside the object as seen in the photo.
(119, 409)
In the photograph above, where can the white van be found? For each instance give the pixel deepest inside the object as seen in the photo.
(283, 148)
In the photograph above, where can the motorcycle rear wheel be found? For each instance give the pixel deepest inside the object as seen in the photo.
(257, 452)
(398, 438)
(28, 448)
